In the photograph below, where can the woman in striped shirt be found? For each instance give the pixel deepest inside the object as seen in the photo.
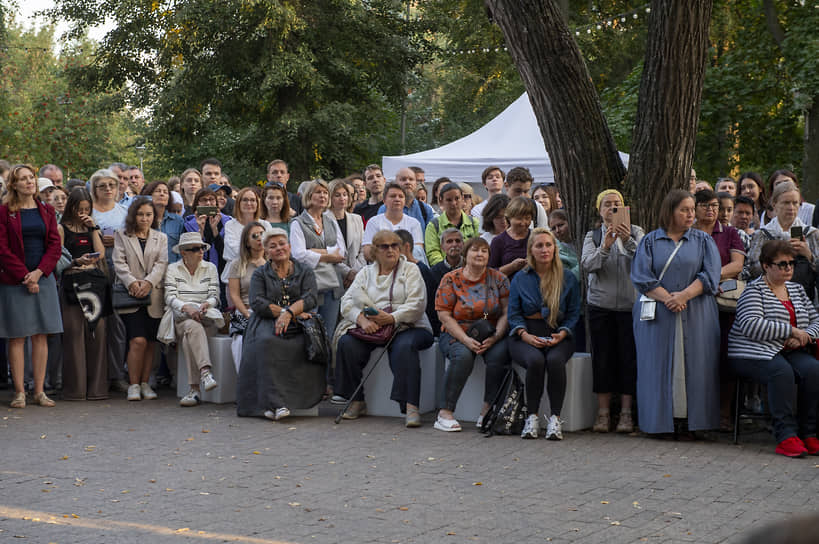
(772, 342)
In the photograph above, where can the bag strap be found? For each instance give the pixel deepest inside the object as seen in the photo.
(670, 258)
(392, 283)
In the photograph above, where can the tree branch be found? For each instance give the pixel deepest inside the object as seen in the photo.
(772, 20)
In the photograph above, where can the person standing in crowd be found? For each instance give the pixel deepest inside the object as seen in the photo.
(276, 209)
(374, 181)
(751, 186)
(190, 185)
(421, 195)
(423, 213)
(806, 209)
(771, 343)
(359, 189)
(494, 219)
(352, 230)
(224, 202)
(787, 225)
(540, 194)
(468, 199)
(277, 172)
(394, 218)
(29, 250)
(45, 187)
(678, 268)
(192, 292)
(452, 216)
(607, 255)
(248, 210)
(171, 224)
(239, 271)
(110, 216)
(507, 252)
(85, 364)
(518, 183)
(52, 172)
(492, 179)
(544, 306)
(273, 376)
(395, 289)
(726, 209)
(468, 295)
(58, 200)
(211, 169)
(210, 226)
(317, 243)
(726, 185)
(140, 261)
(452, 243)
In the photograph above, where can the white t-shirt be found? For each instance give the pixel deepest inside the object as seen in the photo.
(232, 239)
(407, 223)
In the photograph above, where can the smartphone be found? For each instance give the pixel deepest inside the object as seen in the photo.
(369, 310)
(728, 285)
(796, 233)
(210, 211)
(622, 216)
(107, 231)
(93, 255)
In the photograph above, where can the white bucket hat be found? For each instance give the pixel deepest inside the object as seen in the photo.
(190, 239)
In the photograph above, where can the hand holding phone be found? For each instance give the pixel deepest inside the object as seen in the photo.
(370, 311)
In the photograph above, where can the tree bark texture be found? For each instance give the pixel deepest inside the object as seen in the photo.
(582, 151)
(810, 160)
(668, 108)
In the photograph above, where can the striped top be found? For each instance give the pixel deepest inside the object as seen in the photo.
(762, 322)
(183, 288)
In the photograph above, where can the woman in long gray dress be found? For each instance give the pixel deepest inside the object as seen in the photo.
(274, 375)
(677, 350)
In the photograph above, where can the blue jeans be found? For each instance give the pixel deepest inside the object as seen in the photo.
(461, 362)
(328, 310)
(779, 374)
(353, 355)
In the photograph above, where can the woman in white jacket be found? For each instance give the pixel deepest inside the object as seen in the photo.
(388, 292)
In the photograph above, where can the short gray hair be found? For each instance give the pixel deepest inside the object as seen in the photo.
(451, 230)
(98, 176)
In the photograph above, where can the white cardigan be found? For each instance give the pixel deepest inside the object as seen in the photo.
(409, 297)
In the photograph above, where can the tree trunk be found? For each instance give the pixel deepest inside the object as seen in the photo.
(810, 161)
(582, 151)
(668, 109)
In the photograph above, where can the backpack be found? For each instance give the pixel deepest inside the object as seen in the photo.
(507, 414)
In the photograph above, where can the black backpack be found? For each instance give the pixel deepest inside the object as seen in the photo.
(507, 414)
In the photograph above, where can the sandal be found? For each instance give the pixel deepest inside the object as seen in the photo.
(19, 400)
(447, 425)
(44, 401)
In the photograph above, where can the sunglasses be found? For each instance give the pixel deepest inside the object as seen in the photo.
(256, 235)
(105, 186)
(784, 265)
(385, 247)
(196, 249)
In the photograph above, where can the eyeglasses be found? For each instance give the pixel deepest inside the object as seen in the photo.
(784, 265)
(194, 249)
(713, 206)
(385, 247)
(256, 235)
(105, 186)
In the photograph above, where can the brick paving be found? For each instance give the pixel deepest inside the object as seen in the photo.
(115, 471)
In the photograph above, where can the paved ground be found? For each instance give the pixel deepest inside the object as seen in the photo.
(153, 472)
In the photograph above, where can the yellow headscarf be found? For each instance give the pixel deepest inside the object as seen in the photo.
(604, 194)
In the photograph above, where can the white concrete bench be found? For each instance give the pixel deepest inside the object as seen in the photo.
(224, 371)
(379, 385)
(579, 404)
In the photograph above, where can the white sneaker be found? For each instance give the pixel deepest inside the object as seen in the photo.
(282, 413)
(532, 427)
(554, 428)
(147, 392)
(208, 381)
(191, 399)
(133, 392)
(479, 421)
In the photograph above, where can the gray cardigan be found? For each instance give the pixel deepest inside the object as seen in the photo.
(609, 272)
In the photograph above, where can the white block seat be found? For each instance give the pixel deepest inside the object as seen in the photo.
(378, 386)
(224, 371)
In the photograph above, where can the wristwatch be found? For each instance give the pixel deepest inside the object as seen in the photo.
(289, 311)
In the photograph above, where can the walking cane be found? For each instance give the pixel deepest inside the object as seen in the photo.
(364, 380)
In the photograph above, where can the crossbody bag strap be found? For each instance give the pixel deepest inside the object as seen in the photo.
(392, 284)
(670, 258)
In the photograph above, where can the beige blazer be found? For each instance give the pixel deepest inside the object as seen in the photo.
(131, 264)
(355, 256)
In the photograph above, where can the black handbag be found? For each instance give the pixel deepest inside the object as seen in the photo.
(122, 299)
(507, 414)
(316, 343)
(482, 329)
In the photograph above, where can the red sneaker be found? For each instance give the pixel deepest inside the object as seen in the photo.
(812, 445)
(791, 447)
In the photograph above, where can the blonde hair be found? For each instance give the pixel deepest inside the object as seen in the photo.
(551, 282)
(12, 198)
(237, 213)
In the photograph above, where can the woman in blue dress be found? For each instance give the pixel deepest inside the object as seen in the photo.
(677, 350)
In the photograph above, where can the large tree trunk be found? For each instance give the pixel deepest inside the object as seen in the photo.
(810, 161)
(668, 109)
(581, 148)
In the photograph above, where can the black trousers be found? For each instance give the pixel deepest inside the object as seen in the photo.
(539, 363)
(614, 357)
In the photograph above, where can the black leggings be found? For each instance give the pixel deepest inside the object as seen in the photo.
(538, 364)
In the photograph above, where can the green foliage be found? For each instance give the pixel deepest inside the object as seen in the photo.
(314, 83)
(44, 118)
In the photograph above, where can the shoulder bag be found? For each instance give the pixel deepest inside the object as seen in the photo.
(122, 299)
(482, 329)
(384, 333)
(648, 306)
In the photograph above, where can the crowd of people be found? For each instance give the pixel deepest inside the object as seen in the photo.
(111, 283)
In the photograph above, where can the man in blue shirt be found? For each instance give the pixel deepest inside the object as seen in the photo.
(405, 177)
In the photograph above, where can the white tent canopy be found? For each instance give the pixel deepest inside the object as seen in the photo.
(510, 139)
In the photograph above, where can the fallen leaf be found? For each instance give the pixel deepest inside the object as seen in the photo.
(450, 533)
(404, 508)
(64, 457)
(75, 516)
(477, 483)
(666, 475)
(205, 431)
(183, 530)
(615, 523)
(42, 437)
(293, 504)
(189, 439)
(256, 452)
(168, 489)
(152, 481)
(604, 502)
(379, 510)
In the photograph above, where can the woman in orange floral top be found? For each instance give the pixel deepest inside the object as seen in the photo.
(465, 297)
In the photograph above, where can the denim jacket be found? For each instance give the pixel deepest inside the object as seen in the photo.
(525, 299)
